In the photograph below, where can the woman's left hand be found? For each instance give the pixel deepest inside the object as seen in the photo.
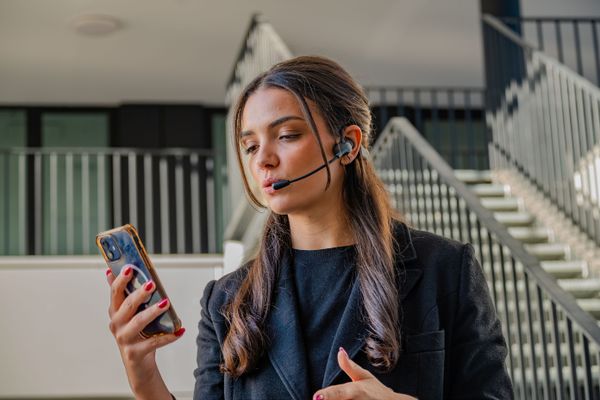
(364, 385)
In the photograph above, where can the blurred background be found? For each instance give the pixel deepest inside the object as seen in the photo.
(487, 130)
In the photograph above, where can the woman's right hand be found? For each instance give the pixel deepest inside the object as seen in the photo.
(138, 353)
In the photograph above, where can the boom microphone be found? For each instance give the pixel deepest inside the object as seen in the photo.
(340, 150)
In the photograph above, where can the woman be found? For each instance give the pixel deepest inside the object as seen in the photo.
(343, 300)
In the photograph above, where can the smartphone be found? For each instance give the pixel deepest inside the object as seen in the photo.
(122, 246)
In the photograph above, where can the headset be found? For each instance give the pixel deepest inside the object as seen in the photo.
(340, 149)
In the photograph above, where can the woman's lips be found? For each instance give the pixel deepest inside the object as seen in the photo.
(268, 185)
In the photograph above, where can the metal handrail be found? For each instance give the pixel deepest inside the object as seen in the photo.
(244, 48)
(543, 315)
(171, 151)
(565, 300)
(546, 102)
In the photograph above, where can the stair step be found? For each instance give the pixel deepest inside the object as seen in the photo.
(581, 288)
(590, 305)
(490, 189)
(512, 218)
(470, 176)
(530, 234)
(502, 203)
(549, 251)
(564, 269)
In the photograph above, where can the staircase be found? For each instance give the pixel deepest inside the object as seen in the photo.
(556, 258)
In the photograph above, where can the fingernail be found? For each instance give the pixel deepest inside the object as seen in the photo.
(319, 397)
(108, 271)
(179, 332)
(127, 271)
(343, 350)
(148, 286)
(163, 303)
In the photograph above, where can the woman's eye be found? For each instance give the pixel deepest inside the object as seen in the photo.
(250, 150)
(289, 136)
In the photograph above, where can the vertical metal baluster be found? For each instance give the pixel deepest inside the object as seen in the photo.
(395, 172)
(579, 148)
(560, 393)
(596, 160)
(117, 197)
(555, 154)
(563, 197)
(424, 185)
(22, 218)
(404, 175)
(507, 324)
(540, 35)
(559, 45)
(415, 195)
(589, 150)
(440, 205)
(532, 355)
(85, 203)
(149, 203)
(164, 205)
(418, 110)
(577, 47)
(574, 384)
(436, 139)
(132, 188)
(452, 131)
(38, 198)
(596, 50)
(574, 143)
(459, 215)
(383, 109)
(545, 364)
(70, 203)
(6, 204)
(515, 282)
(400, 102)
(210, 204)
(101, 189)
(53, 204)
(180, 204)
(588, 383)
(195, 192)
(490, 245)
(473, 155)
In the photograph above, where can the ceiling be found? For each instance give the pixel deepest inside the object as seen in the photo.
(183, 50)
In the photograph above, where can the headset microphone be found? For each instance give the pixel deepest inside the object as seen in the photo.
(340, 150)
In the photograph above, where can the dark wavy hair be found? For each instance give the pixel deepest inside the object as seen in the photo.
(369, 215)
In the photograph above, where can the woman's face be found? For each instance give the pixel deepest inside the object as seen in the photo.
(277, 143)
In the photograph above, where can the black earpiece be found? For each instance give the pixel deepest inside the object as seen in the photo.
(342, 148)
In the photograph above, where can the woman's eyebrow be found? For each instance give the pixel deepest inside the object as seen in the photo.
(273, 124)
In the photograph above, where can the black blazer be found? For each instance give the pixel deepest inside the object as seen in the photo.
(452, 339)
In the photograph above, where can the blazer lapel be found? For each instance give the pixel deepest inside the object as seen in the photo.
(352, 329)
(287, 352)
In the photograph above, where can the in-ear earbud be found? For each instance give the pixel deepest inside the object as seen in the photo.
(342, 148)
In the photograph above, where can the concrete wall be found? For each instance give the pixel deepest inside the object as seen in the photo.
(54, 339)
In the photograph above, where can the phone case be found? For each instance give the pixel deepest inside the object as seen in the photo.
(129, 249)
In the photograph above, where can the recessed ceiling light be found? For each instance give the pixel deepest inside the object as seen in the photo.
(96, 24)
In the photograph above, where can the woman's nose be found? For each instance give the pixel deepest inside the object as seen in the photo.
(267, 157)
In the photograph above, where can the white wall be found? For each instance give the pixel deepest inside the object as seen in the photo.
(54, 339)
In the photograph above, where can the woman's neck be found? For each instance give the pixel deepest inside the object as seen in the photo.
(313, 232)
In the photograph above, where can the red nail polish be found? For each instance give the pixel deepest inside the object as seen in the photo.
(163, 303)
(127, 271)
(343, 350)
(149, 286)
(180, 332)
(108, 271)
(319, 397)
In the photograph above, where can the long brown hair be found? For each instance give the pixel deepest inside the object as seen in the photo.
(341, 102)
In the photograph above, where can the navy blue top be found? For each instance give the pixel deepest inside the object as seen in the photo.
(323, 281)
